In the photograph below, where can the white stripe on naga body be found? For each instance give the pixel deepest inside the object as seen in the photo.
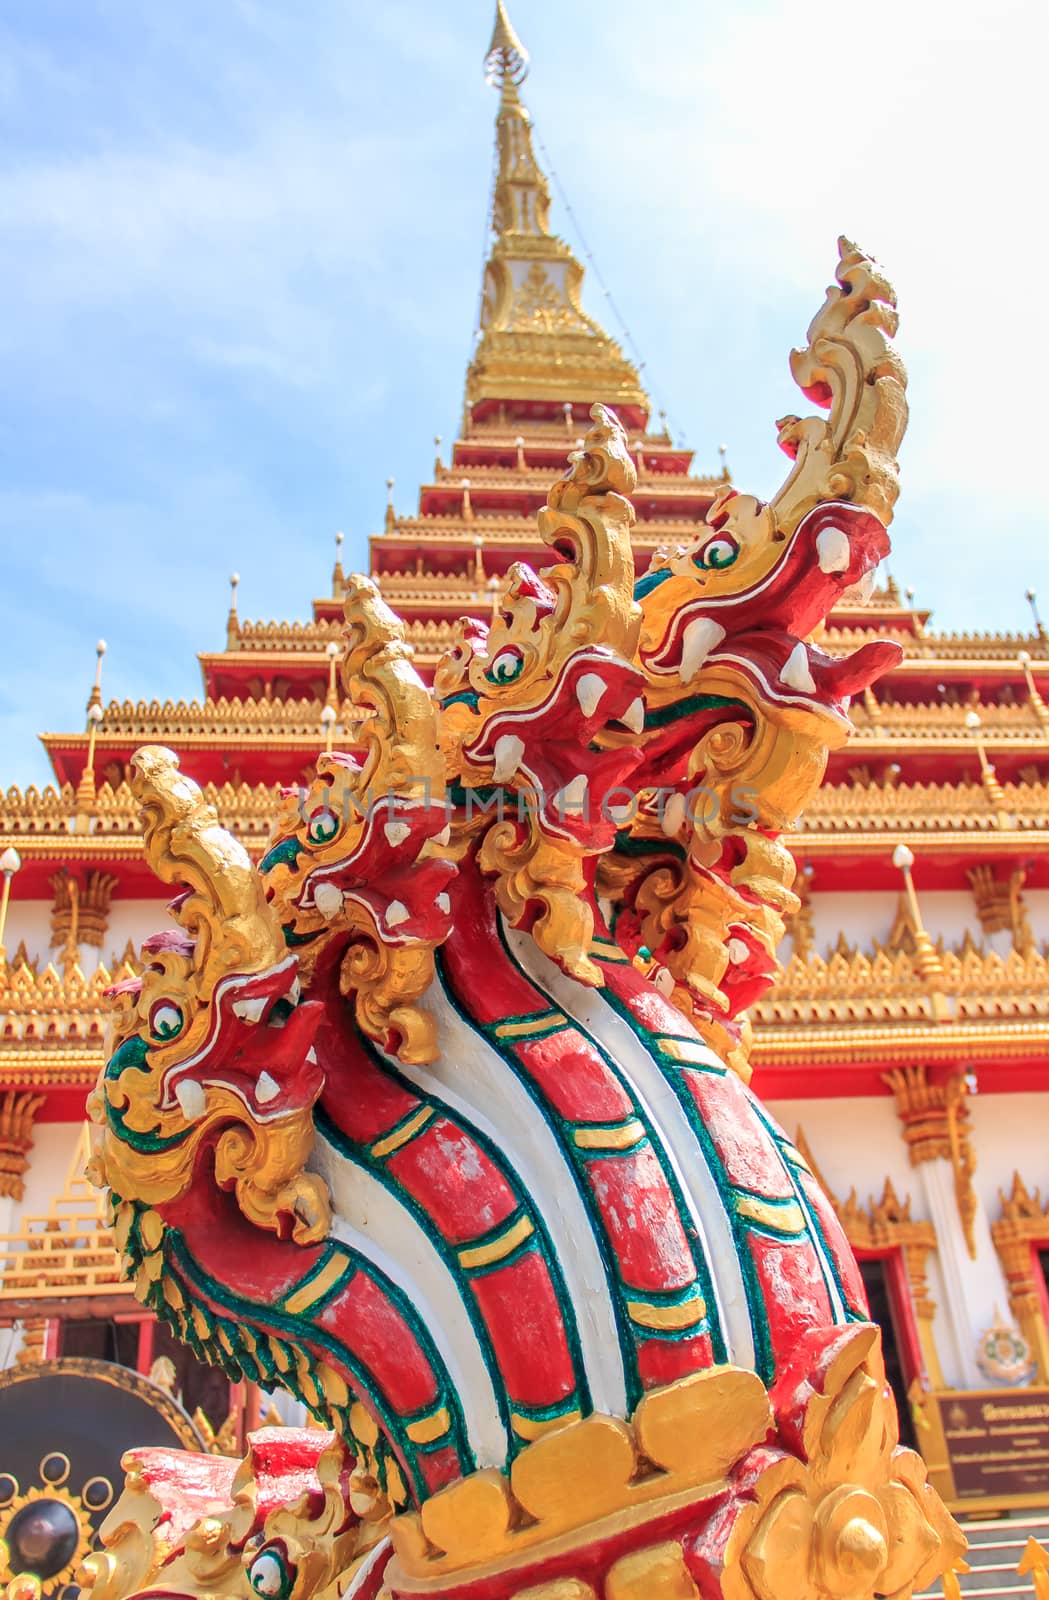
(439, 1117)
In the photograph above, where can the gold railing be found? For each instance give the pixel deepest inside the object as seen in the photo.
(938, 719)
(67, 1252)
(244, 809)
(851, 986)
(145, 718)
(844, 808)
(297, 637)
(41, 1009)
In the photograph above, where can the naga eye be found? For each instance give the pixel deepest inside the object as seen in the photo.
(165, 1020)
(507, 666)
(322, 826)
(270, 1576)
(717, 553)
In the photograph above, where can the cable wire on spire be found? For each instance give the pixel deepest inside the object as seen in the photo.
(628, 337)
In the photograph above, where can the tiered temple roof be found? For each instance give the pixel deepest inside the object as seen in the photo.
(950, 755)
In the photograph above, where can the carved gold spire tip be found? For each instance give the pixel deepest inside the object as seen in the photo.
(507, 59)
(536, 340)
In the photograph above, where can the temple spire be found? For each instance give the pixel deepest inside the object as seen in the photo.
(536, 341)
(507, 58)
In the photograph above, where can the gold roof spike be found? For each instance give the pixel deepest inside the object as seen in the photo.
(507, 58)
(536, 340)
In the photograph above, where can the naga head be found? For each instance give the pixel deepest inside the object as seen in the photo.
(743, 704)
(544, 709)
(213, 1059)
(357, 871)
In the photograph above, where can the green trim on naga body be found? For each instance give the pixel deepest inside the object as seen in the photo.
(148, 1144)
(649, 581)
(229, 1329)
(662, 716)
(295, 1332)
(828, 1259)
(763, 1362)
(573, 1161)
(465, 697)
(285, 853)
(482, 792)
(359, 1154)
(704, 1278)
(628, 844)
(525, 1201)
(131, 1055)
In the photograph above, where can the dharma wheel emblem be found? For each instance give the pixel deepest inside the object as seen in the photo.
(46, 1528)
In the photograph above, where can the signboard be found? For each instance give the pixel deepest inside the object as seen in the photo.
(986, 1448)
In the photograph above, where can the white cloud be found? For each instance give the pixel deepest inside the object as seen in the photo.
(741, 153)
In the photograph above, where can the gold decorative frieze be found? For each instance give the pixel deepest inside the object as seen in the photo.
(1019, 1232)
(935, 1121)
(224, 717)
(968, 648)
(1000, 904)
(887, 986)
(17, 1114)
(518, 531)
(80, 912)
(48, 1008)
(844, 808)
(297, 637)
(937, 718)
(537, 478)
(244, 808)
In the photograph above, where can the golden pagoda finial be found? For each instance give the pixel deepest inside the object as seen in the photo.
(338, 577)
(536, 340)
(232, 621)
(507, 59)
(85, 793)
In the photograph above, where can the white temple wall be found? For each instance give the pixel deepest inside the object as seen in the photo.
(54, 1144)
(129, 919)
(846, 1162)
(870, 914)
(1008, 1134)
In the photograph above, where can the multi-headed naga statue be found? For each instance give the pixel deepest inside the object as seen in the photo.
(439, 1119)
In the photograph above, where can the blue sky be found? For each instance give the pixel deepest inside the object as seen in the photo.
(240, 252)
